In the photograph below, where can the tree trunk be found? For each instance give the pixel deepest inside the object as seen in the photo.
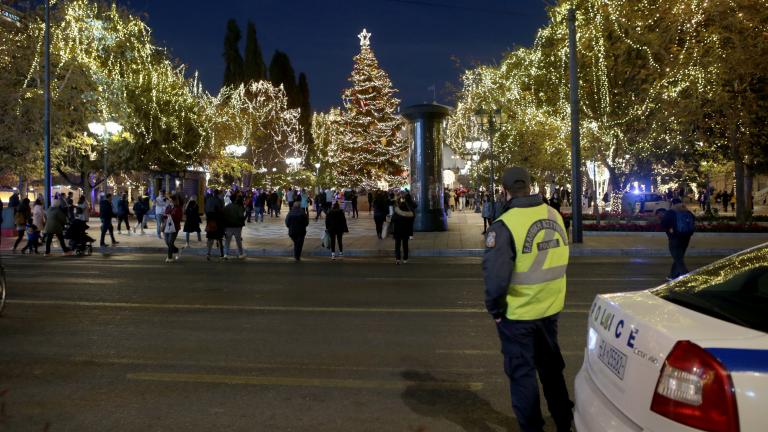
(738, 167)
(87, 189)
(748, 178)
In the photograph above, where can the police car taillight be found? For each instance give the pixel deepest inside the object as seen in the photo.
(695, 389)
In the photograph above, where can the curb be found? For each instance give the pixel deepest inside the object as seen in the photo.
(318, 252)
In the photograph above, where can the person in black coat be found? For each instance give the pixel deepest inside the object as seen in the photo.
(214, 223)
(402, 228)
(139, 210)
(192, 219)
(297, 221)
(380, 211)
(106, 213)
(678, 241)
(122, 213)
(336, 224)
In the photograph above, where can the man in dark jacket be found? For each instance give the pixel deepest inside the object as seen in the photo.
(678, 222)
(55, 219)
(122, 213)
(106, 213)
(319, 204)
(297, 221)
(234, 220)
(259, 202)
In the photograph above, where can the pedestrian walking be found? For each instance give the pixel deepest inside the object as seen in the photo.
(330, 198)
(525, 299)
(380, 212)
(336, 224)
(234, 220)
(297, 222)
(724, 200)
(139, 210)
(192, 219)
(122, 214)
(319, 204)
(106, 213)
(33, 238)
(38, 218)
(305, 201)
(248, 205)
(161, 202)
(259, 202)
(487, 213)
(170, 224)
(370, 202)
(20, 219)
(14, 202)
(55, 220)
(679, 224)
(214, 223)
(355, 213)
(402, 229)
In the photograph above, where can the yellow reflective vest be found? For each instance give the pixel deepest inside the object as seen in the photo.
(537, 288)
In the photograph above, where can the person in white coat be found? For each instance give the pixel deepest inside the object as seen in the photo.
(161, 203)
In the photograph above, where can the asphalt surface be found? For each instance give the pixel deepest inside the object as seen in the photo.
(128, 343)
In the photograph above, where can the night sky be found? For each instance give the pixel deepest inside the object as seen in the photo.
(416, 41)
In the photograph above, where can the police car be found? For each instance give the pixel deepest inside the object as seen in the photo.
(690, 355)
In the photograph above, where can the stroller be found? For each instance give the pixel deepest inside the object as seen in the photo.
(79, 240)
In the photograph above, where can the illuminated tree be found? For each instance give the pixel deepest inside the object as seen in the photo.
(258, 117)
(372, 148)
(105, 67)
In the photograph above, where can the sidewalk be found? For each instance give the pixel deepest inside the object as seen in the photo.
(463, 238)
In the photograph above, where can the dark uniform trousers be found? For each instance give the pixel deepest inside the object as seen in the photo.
(529, 347)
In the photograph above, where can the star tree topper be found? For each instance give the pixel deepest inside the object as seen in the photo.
(365, 38)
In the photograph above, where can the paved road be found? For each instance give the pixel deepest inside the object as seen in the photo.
(128, 343)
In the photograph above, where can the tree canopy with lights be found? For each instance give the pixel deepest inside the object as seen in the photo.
(664, 85)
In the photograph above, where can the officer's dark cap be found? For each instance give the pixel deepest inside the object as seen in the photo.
(516, 178)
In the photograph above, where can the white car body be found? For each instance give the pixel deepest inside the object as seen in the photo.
(629, 338)
(649, 202)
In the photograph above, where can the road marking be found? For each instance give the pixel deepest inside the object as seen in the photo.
(245, 365)
(57, 281)
(302, 382)
(497, 352)
(480, 279)
(259, 308)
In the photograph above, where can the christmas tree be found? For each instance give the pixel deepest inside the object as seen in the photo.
(373, 148)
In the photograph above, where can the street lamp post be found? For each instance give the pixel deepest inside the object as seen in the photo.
(489, 121)
(104, 131)
(47, 108)
(576, 189)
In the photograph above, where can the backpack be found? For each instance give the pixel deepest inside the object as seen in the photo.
(685, 223)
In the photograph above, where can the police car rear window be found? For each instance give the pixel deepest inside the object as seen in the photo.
(734, 289)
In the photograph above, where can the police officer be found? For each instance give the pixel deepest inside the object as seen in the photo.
(524, 267)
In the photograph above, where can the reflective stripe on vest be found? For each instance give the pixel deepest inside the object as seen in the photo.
(537, 287)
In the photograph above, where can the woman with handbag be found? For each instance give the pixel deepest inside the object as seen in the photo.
(170, 227)
(336, 224)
